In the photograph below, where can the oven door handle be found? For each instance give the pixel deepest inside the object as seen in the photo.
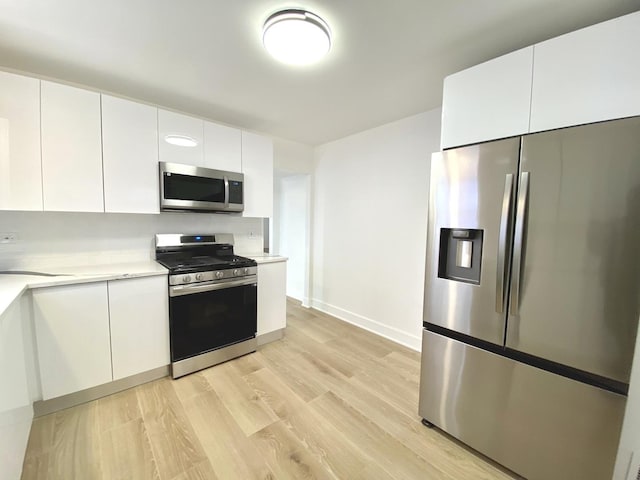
(179, 290)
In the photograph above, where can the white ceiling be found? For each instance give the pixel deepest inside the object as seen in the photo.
(205, 57)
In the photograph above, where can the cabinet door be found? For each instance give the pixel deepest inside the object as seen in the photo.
(139, 314)
(71, 149)
(20, 164)
(586, 76)
(15, 405)
(257, 166)
(72, 332)
(180, 127)
(488, 101)
(272, 297)
(130, 156)
(222, 147)
(15, 393)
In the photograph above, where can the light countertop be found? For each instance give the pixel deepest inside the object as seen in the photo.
(264, 257)
(12, 285)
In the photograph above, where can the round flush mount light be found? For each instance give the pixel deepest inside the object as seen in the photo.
(181, 140)
(296, 37)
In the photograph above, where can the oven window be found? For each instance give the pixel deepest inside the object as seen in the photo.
(201, 322)
(187, 187)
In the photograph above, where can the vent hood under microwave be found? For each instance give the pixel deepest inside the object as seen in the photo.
(189, 188)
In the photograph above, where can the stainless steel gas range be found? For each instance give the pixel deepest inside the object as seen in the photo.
(212, 300)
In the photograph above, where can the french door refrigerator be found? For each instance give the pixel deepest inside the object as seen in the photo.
(531, 297)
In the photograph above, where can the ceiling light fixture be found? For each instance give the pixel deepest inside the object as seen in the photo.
(181, 140)
(296, 37)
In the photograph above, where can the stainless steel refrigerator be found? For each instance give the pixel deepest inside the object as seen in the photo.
(532, 297)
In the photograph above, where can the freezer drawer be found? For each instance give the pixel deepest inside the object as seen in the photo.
(540, 425)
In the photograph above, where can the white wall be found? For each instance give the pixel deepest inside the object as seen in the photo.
(49, 239)
(293, 163)
(293, 213)
(292, 157)
(370, 193)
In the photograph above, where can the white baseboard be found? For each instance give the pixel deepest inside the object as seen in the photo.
(391, 333)
(270, 337)
(45, 407)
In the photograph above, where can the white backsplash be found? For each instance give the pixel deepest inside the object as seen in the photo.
(46, 240)
(248, 244)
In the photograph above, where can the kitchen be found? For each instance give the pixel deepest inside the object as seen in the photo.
(393, 309)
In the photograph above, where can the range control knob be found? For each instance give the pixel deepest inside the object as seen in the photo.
(198, 276)
(219, 274)
(236, 272)
(246, 271)
(186, 278)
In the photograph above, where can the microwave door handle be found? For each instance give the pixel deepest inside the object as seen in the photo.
(226, 191)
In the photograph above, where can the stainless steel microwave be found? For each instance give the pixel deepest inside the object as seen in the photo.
(188, 188)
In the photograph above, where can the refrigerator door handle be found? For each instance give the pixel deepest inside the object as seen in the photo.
(501, 270)
(521, 209)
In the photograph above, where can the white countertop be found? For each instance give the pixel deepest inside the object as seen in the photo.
(264, 257)
(12, 285)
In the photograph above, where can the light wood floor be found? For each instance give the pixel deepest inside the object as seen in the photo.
(330, 401)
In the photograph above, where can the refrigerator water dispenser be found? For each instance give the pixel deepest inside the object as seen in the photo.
(460, 254)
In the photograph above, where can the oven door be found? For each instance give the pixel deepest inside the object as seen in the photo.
(211, 315)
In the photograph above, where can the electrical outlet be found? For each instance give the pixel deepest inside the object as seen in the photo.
(8, 237)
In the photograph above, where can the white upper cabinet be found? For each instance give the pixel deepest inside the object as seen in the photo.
(71, 149)
(20, 166)
(587, 76)
(139, 315)
(222, 147)
(178, 128)
(72, 332)
(488, 101)
(257, 166)
(130, 156)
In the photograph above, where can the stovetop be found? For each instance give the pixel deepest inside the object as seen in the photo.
(181, 264)
(198, 253)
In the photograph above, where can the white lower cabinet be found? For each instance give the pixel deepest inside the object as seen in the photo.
(15, 391)
(72, 332)
(16, 412)
(139, 313)
(91, 334)
(272, 297)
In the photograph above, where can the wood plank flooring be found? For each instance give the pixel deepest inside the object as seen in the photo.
(329, 401)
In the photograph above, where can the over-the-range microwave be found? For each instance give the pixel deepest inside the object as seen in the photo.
(189, 188)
